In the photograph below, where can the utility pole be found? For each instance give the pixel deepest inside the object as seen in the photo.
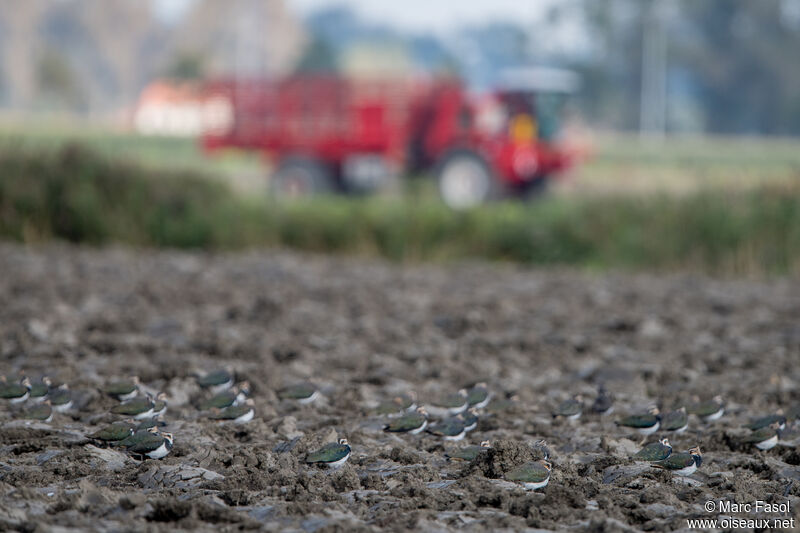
(653, 101)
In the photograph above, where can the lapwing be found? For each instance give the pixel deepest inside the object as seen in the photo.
(709, 411)
(764, 438)
(15, 392)
(676, 421)
(303, 393)
(655, 451)
(604, 403)
(139, 408)
(42, 412)
(216, 381)
(412, 423)
(122, 390)
(153, 445)
(541, 446)
(467, 453)
(40, 389)
(479, 396)
(160, 404)
(115, 432)
(137, 436)
(232, 396)
(451, 428)
(451, 404)
(407, 401)
(498, 405)
(238, 414)
(393, 407)
(332, 455)
(533, 475)
(470, 417)
(570, 409)
(645, 424)
(682, 464)
(61, 398)
(766, 421)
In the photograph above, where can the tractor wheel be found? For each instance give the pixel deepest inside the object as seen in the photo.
(465, 180)
(299, 177)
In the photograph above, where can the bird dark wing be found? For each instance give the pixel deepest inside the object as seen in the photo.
(529, 473)
(329, 453)
(405, 423)
(133, 407)
(147, 444)
(214, 378)
(477, 395)
(760, 435)
(676, 461)
(449, 427)
(638, 421)
(655, 451)
(674, 420)
(297, 392)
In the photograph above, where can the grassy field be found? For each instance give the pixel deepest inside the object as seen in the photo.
(96, 196)
(618, 165)
(626, 165)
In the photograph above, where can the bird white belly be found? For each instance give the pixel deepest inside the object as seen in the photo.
(688, 471)
(129, 396)
(305, 401)
(159, 452)
(144, 414)
(767, 444)
(216, 389)
(63, 407)
(482, 404)
(21, 398)
(715, 416)
(337, 464)
(471, 426)
(650, 430)
(682, 429)
(455, 437)
(574, 417)
(245, 418)
(539, 485)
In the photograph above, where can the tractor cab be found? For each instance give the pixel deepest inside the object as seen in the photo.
(534, 99)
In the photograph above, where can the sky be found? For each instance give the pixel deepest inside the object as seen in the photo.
(436, 16)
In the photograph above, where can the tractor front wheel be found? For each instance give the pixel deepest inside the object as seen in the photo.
(465, 180)
(299, 177)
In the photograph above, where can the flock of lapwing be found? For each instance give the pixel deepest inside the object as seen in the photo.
(451, 418)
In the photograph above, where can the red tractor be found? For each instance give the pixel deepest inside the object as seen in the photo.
(331, 134)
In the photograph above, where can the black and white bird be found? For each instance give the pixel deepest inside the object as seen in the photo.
(533, 475)
(411, 423)
(646, 424)
(682, 464)
(153, 445)
(332, 455)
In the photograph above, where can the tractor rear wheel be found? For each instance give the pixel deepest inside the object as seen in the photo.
(298, 177)
(466, 180)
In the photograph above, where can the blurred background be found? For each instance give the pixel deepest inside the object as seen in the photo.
(655, 134)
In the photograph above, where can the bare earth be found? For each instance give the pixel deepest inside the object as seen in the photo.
(366, 331)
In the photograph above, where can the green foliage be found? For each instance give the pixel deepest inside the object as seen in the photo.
(76, 195)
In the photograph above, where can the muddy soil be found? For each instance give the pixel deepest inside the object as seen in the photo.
(365, 331)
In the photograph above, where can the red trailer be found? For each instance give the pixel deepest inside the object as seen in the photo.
(331, 134)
